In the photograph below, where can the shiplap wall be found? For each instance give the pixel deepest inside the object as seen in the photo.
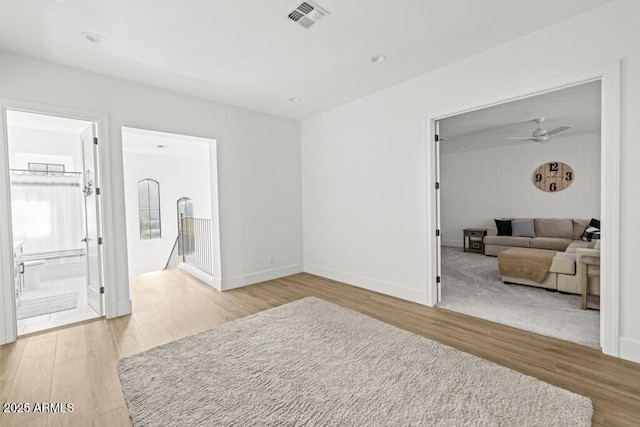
(478, 186)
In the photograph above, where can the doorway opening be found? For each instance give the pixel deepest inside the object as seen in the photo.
(503, 147)
(56, 221)
(171, 204)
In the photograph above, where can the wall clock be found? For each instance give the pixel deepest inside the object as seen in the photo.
(553, 176)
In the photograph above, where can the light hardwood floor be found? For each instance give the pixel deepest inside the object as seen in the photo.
(78, 364)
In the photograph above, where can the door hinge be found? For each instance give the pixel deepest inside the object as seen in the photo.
(437, 279)
(437, 137)
(99, 240)
(97, 191)
(437, 185)
(437, 233)
(102, 289)
(95, 140)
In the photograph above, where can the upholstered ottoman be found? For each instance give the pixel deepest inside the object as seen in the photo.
(527, 266)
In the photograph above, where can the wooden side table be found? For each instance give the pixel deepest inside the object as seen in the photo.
(590, 268)
(473, 239)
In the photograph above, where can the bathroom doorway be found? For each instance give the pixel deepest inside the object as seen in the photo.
(56, 223)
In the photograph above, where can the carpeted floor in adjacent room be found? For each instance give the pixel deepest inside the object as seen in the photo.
(472, 285)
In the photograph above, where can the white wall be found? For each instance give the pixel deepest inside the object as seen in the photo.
(478, 186)
(37, 145)
(183, 175)
(258, 163)
(364, 162)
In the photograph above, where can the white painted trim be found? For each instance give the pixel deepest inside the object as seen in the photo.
(630, 349)
(8, 322)
(393, 289)
(124, 306)
(115, 305)
(609, 75)
(200, 275)
(431, 240)
(260, 276)
(215, 215)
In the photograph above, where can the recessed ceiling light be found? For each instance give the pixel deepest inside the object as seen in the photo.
(294, 99)
(94, 37)
(462, 146)
(378, 58)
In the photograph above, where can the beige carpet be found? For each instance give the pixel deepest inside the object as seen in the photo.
(311, 362)
(471, 284)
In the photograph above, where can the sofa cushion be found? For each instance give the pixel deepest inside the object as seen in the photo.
(555, 243)
(576, 244)
(554, 227)
(579, 225)
(521, 242)
(563, 263)
(523, 228)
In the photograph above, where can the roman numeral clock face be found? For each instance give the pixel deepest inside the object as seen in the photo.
(553, 176)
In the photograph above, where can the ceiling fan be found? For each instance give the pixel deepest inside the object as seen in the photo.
(540, 134)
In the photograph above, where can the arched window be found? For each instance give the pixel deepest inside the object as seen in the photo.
(149, 209)
(185, 208)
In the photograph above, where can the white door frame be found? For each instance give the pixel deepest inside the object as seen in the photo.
(609, 75)
(8, 330)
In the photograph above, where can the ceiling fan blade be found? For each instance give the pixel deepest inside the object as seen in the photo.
(557, 130)
(519, 137)
(504, 144)
(580, 132)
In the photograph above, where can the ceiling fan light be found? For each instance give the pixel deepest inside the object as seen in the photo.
(539, 132)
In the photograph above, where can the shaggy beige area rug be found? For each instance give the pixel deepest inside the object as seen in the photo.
(312, 363)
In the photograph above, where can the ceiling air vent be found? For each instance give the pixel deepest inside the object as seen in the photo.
(307, 14)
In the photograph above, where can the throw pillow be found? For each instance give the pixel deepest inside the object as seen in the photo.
(593, 231)
(523, 228)
(503, 226)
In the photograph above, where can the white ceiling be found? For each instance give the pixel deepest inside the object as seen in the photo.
(577, 106)
(162, 144)
(247, 53)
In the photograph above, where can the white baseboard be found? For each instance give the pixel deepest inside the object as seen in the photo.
(214, 282)
(453, 243)
(123, 308)
(260, 276)
(392, 289)
(630, 349)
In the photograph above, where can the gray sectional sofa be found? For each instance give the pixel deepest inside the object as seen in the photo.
(560, 234)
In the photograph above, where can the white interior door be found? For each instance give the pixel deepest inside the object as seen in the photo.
(438, 225)
(93, 234)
